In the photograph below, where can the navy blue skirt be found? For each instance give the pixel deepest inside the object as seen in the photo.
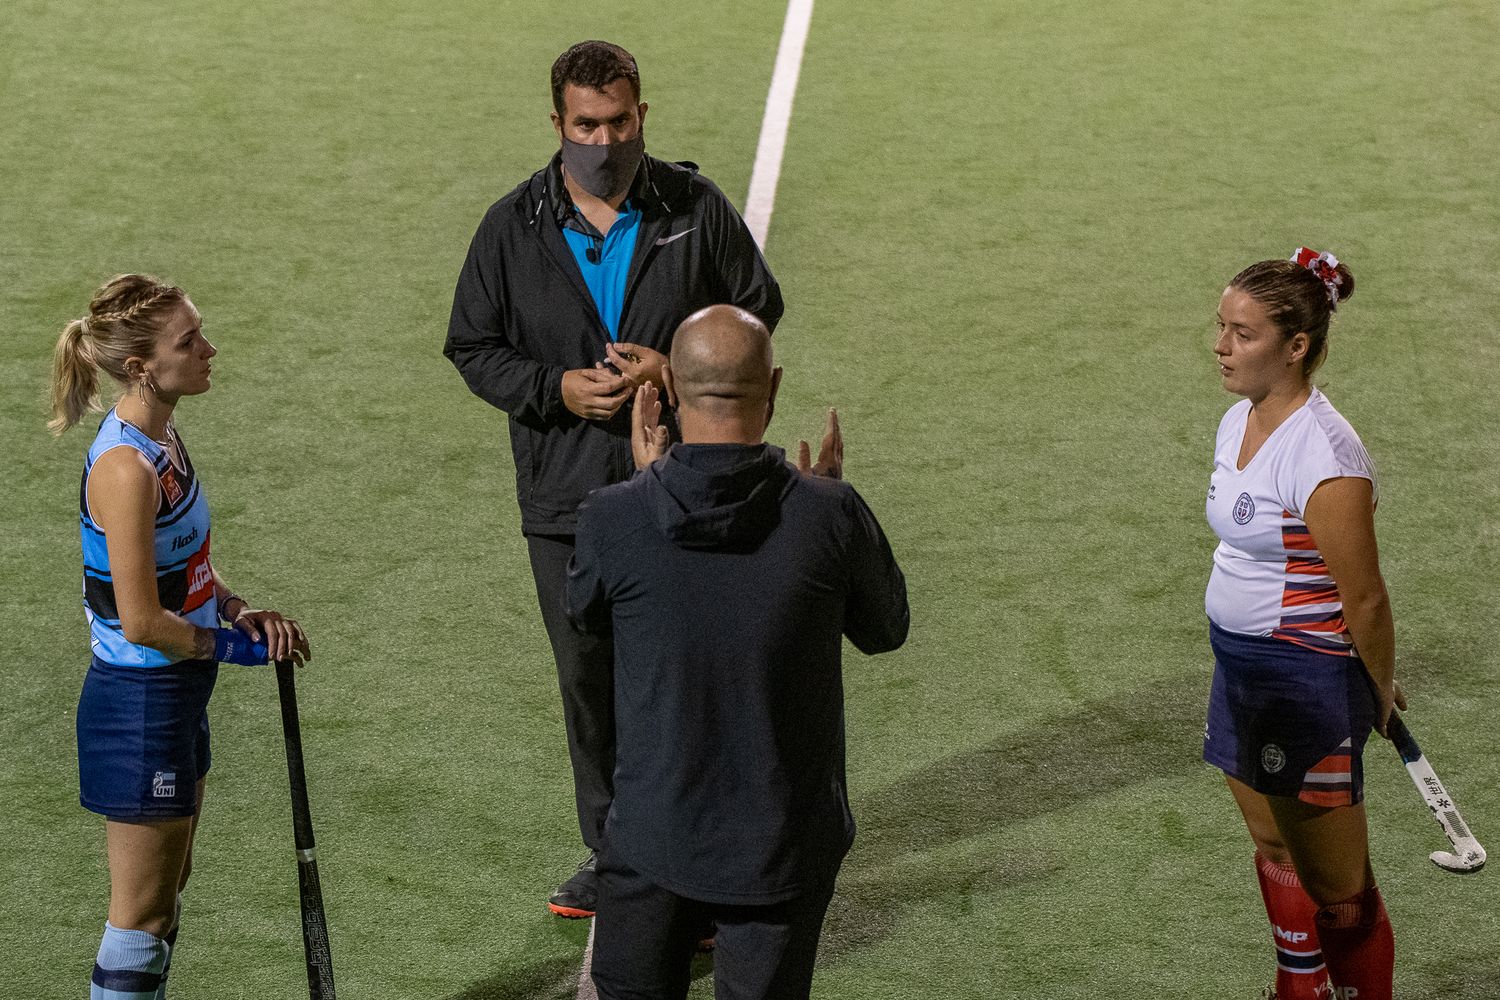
(143, 738)
(1287, 720)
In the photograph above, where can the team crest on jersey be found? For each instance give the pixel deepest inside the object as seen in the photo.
(171, 487)
(164, 785)
(1272, 758)
(1244, 509)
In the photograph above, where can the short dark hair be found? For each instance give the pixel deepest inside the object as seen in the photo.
(593, 64)
(1297, 301)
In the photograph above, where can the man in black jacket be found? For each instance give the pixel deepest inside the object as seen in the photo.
(728, 579)
(573, 285)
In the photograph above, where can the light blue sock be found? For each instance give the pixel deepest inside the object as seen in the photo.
(171, 940)
(129, 966)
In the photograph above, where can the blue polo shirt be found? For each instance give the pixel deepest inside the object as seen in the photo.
(606, 279)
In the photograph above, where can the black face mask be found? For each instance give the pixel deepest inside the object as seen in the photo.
(603, 171)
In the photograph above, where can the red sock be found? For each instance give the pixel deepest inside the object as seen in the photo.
(1360, 946)
(1300, 972)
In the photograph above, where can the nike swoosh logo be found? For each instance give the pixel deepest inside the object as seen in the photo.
(675, 236)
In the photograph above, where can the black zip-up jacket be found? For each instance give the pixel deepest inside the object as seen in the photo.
(728, 580)
(522, 316)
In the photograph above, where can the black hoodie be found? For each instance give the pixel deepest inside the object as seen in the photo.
(729, 580)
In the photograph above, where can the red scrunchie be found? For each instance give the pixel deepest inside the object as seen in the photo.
(1325, 267)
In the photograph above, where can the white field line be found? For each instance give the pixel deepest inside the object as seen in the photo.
(773, 127)
(586, 989)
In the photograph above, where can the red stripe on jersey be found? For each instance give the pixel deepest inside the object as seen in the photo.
(1332, 624)
(1333, 621)
(1299, 598)
(1296, 536)
(1306, 565)
(1318, 642)
(1298, 539)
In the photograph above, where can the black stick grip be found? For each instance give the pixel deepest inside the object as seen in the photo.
(314, 924)
(1406, 744)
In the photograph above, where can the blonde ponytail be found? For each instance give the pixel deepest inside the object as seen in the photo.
(124, 318)
(75, 377)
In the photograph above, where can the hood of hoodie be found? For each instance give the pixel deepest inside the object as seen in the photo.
(719, 496)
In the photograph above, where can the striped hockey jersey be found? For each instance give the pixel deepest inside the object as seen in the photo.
(1268, 577)
(184, 577)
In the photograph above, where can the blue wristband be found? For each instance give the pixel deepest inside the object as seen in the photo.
(233, 646)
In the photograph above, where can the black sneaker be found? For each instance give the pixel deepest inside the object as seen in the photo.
(577, 897)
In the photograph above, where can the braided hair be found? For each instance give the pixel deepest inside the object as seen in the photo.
(125, 316)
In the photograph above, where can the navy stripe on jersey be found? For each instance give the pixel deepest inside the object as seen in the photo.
(161, 521)
(1294, 533)
(1308, 591)
(183, 509)
(1312, 618)
(171, 590)
(102, 572)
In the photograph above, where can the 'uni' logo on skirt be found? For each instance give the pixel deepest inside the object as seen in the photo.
(164, 785)
(1272, 758)
(1244, 509)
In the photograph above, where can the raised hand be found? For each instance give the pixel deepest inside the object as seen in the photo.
(648, 438)
(830, 451)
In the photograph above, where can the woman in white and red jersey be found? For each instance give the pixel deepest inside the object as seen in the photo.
(1301, 628)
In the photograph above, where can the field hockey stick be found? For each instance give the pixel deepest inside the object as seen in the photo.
(1467, 855)
(314, 925)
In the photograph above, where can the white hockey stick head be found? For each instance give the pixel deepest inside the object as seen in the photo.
(1467, 856)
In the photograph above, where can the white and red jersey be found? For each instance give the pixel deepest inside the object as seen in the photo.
(1268, 577)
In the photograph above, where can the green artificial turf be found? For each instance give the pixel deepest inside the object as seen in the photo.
(1001, 230)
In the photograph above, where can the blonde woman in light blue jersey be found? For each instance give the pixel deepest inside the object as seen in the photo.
(154, 605)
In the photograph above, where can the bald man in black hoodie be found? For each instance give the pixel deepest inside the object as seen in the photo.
(729, 578)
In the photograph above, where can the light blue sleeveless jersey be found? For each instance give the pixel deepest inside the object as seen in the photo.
(184, 578)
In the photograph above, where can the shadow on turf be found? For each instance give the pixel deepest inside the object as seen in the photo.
(552, 979)
(1064, 760)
